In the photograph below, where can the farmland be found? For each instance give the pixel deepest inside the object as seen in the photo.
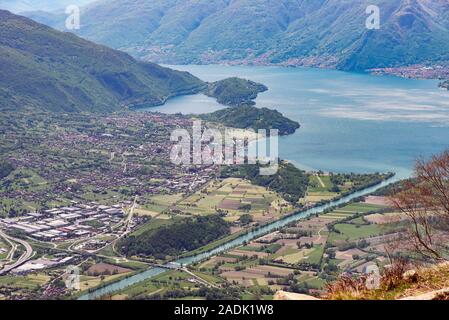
(236, 197)
(305, 255)
(121, 161)
(169, 285)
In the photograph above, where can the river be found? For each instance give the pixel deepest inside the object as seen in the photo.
(349, 123)
(152, 272)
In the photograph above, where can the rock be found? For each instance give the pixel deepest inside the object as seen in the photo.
(433, 295)
(283, 295)
(411, 276)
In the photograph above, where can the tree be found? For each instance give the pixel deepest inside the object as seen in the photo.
(246, 219)
(425, 201)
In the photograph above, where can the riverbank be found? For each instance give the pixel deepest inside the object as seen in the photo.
(235, 242)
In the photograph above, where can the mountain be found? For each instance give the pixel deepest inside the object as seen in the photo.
(328, 33)
(46, 69)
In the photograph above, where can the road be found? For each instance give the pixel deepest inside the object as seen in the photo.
(199, 279)
(319, 233)
(11, 252)
(320, 181)
(127, 228)
(131, 214)
(127, 224)
(22, 259)
(240, 240)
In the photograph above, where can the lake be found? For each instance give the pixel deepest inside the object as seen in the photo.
(349, 122)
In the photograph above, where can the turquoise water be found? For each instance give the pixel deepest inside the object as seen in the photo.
(153, 272)
(350, 122)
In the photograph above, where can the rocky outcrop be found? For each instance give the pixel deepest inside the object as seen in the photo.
(442, 294)
(283, 295)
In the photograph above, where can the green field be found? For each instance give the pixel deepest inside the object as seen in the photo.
(154, 224)
(170, 280)
(320, 184)
(349, 232)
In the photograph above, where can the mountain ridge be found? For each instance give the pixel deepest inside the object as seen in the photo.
(47, 69)
(319, 33)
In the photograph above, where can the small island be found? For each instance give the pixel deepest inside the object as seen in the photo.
(249, 117)
(235, 92)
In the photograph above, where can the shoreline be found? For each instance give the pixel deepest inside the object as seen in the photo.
(415, 72)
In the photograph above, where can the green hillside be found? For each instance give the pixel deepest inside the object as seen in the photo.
(247, 117)
(235, 91)
(47, 69)
(329, 33)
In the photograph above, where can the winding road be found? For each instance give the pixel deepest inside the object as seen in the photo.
(22, 259)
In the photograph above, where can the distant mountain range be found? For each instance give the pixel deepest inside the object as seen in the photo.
(45, 69)
(324, 33)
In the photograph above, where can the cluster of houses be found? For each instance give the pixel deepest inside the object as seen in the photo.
(114, 161)
(59, 224)
(418, 71)
(277, 235)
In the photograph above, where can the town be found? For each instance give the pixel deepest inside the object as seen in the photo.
(67, 223)
(105, 159)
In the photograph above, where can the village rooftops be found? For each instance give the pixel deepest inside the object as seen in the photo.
(89, 213)
(70, 216)
(113, 211)
(34, 214)
(85, 206)
(57, 223)
(54, 211)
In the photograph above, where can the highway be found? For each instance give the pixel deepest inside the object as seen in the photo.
(22, 259)
(244, 238)
(126, 230)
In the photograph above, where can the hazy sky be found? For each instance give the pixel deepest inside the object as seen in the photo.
(17, 6)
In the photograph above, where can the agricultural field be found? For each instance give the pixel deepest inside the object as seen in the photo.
(321, 188)
(326, 186)
(155, 223)
(29, 282)
(106, 269)
(153, 206)
(96, 272)
(89, 282)
(23, 285)
(305, 255)
(23, 179)
(236, 197)
(172, 284)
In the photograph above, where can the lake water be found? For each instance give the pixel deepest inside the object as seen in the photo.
(349, 122)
